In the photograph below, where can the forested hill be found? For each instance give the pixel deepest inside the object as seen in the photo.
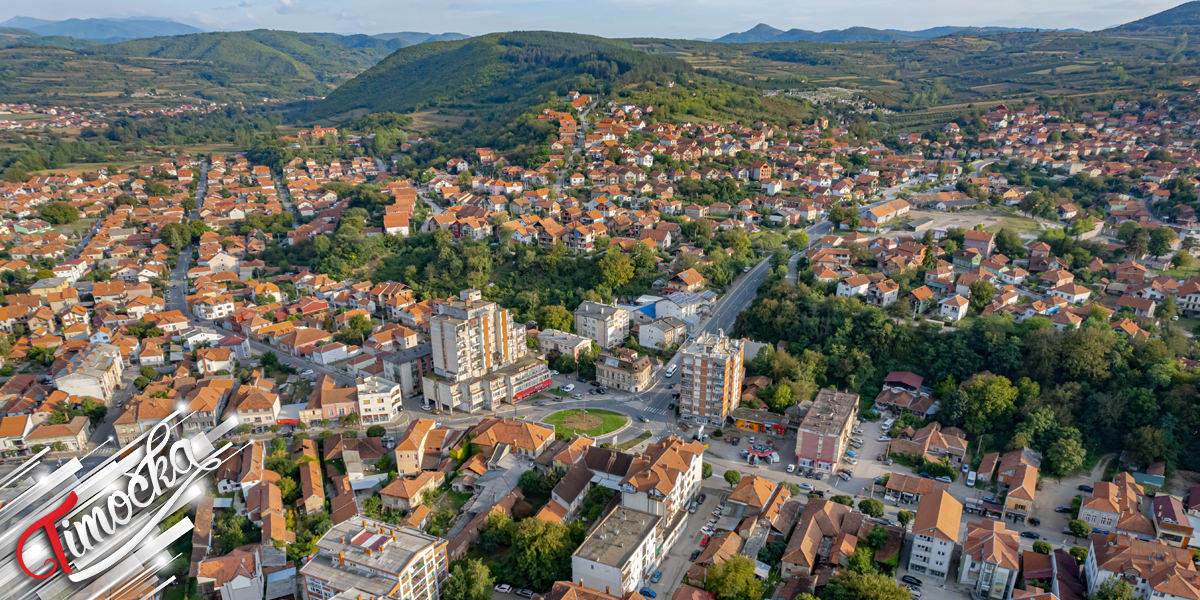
(240, 65)
(496, 71)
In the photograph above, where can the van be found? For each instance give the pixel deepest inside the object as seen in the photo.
(671, 370)
(971, 479)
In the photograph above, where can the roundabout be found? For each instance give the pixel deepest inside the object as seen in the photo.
(592, 422)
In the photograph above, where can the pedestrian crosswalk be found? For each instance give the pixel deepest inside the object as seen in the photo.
(655, 411)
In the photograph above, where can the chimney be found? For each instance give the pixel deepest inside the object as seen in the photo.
(341, 559)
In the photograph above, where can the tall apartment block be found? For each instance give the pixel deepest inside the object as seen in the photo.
(480, 358)
(711, 384)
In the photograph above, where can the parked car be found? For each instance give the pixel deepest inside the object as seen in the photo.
(851, 454)
(694, 556)
(553, 372)
(1033, 535)
(943, 478)
(693, 508)
(1062, 509)
(791, 468)
(844, 476)
(850, 459)
(568, 387)
(883, 438)
(647, 592)
(656, 577)
(966, 468)
(806, 486)
(503, 588)
(910, 580)
(525, 593)
(577, 396)
(1085, 488)
(703, 497)
(1035, 521)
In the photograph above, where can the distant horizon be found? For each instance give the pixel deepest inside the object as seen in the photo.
(676, 19)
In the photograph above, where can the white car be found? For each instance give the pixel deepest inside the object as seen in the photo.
(791, 468)
(884, 438)
(568, 387)
(552, 372)
(850, 459)
(806, 486)
(503, 588)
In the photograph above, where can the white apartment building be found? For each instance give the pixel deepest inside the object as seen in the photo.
(608, 325)
(379, 399)
(711, 385)
(378, 559)
(480, 358)
(618, 553)
(991, 559)
(935, 534)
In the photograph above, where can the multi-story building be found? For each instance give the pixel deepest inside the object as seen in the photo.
(480, 357)
(1115, 506)
(567, 344)
(608, 325)
(376, 559)
(625, 370)
(935, 534)
(823, 434)
(711, 385)
(991, 558)
(664, 478)
(662, 333)
(618, 553)
(94, 372)
(1155, 570)
(379, 400)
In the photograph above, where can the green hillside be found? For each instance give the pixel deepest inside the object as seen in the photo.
(269, 52)
(503, 72)
(1182, 18)
(244, 65)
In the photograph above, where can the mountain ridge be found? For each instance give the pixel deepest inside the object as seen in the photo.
(102, 30)
(766, 33)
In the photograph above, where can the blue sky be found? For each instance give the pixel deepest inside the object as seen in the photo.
(611, 18)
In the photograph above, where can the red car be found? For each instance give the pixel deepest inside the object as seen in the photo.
(704, 541)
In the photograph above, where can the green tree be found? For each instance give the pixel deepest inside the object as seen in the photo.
(615, 269)
(990, 399)
(58, 213)
(734, 580)
(376, 431)
(1160, 241)
(850, 585)
(982, 293)
(1042, 547)
(1066, 456)
(1079, 529)
(798, 240)
(732, 477)
(905, 517)
(543, 551)
(872, 507)
(1146, 445)
(469, 580)
(843, 499)
(555, 316)
(1114, 588)
(705, 470)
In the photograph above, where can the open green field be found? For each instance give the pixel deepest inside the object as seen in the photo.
(586, 421)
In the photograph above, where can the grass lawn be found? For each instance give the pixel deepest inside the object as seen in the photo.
(589, 421)
(1017, 225)
(643, 436)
